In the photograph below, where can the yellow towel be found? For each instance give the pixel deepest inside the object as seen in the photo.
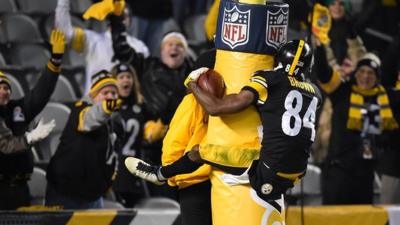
(99, 10)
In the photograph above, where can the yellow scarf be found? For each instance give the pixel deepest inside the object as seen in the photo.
(355, 121)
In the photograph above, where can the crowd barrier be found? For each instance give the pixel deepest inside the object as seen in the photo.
(315, 215)
(91, 217)
(344, 215)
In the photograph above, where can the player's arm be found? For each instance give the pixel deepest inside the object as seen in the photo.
(214, 106)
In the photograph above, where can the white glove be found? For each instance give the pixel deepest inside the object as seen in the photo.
(41, 131)
(194, 75)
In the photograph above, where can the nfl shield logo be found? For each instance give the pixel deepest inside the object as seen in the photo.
(235, 27)
(276, 28)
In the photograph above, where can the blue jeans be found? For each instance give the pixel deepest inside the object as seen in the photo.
(53, 198)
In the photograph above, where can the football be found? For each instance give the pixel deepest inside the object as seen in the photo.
(212, 82)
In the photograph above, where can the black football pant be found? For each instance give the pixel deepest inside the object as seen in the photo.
(195, 202)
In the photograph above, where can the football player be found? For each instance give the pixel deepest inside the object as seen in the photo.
(287, 105)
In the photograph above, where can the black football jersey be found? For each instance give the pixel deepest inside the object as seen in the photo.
(134, 117)
(288, 109)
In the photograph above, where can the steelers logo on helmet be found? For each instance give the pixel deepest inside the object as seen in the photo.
(294, 57)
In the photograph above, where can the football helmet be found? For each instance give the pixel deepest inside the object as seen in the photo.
(294, 57)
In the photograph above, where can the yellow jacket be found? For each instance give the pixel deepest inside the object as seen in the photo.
(187, 128)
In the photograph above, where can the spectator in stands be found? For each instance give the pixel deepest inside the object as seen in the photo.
(161, 79)
(364, 118)
(389, 164)
(10, 144)
(96, 47)
(345, 47)
(343, 52)
(81, 170)
(128, 189)
(15, 169)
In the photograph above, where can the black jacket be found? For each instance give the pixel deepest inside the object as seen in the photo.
(85, 161)
(17, 115)
(162, 87)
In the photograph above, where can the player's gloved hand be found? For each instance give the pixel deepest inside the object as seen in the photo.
(194, 75)
(119, 6)
(154, 130)
(57, 41)
(111, 105)
(41, 131)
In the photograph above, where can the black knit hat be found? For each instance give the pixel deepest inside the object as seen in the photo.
(100, 80)
(372, 61)
(4, 80)
(121, 68)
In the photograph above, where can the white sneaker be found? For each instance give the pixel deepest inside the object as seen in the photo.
(143, 170)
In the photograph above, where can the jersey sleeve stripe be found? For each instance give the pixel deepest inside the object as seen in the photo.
(259, 78)
(262, 82)
(260, 88)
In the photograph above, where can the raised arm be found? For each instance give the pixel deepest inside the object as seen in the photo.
(214, 106)
(35, 101)
(328, 77)
(122, 50)
(62, 19)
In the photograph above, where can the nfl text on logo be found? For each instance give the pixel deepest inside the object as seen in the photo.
(235, 27)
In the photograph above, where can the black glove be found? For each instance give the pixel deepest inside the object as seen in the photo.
(122, 50)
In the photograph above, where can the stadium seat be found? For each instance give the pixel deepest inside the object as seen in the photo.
(64, 91)
(2, 61)
(60, 113)
(37, 186)
(19, 28)
(108, 204)
(37, 6)
(29, 56)
(158, 203)
(80, 6)
(7, 6)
